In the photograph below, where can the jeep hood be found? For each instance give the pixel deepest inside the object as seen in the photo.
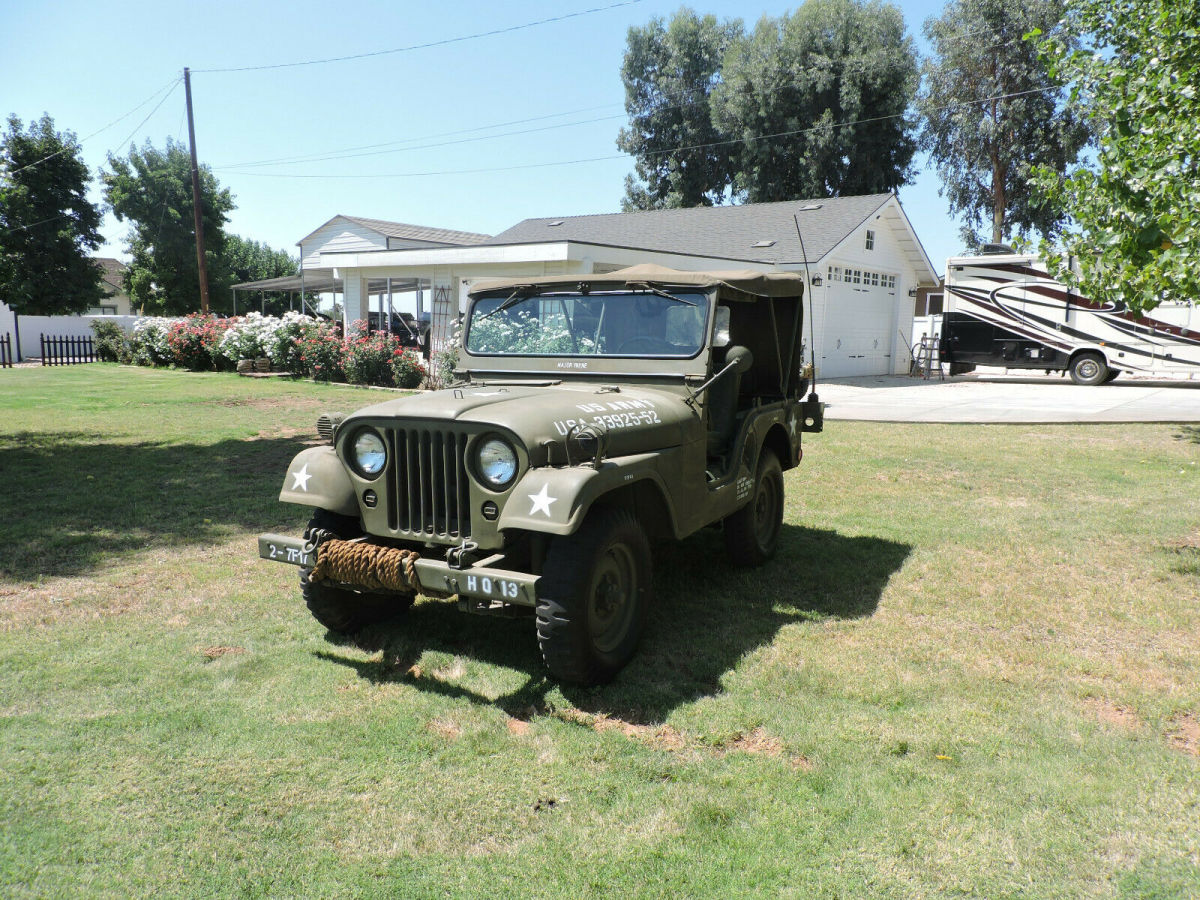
(636, 418)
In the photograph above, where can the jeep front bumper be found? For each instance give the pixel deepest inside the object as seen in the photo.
(479, 581)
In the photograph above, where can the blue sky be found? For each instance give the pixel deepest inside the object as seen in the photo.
(451, 160)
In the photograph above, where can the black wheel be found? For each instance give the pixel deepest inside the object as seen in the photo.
(593, 596)
(1112, 375)
(343, 609)
(752, 533)
(1088, 368)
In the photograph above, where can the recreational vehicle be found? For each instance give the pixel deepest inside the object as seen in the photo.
(1006, 310)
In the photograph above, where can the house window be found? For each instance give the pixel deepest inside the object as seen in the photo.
(928, 305)
(855, 276)
(874, 279)
(870, 239)
(102, 311)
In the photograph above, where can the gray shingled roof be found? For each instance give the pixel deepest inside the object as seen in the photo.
(723, 232)
(112, 273)
(420, 232)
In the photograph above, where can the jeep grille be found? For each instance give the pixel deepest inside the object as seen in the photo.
(427, 483)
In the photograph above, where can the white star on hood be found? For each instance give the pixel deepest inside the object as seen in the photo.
(542, 500)
(300, 479)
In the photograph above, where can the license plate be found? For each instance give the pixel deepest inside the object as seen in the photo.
(284, 549)
(487, 586)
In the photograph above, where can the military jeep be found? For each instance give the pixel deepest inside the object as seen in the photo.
(591, 415)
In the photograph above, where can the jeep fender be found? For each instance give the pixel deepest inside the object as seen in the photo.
(316, 477)
(555, 501)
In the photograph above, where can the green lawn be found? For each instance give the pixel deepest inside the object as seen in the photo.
(972, 671)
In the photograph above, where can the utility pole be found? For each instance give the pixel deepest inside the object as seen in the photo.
(200, 261)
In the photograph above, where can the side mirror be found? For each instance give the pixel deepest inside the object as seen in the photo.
(740, 358)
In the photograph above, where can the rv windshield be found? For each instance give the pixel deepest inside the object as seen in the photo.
(624, 323)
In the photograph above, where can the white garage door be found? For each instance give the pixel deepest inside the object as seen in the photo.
(857, 337)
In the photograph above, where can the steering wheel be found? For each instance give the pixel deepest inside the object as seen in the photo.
(644, 343)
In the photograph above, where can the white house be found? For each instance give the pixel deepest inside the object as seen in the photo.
(864, 262)
(114, 305)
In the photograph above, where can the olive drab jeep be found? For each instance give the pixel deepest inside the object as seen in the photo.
(592, 415)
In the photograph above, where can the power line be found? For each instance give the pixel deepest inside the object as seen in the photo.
(469, 140)
(681, 149)
(455, 40)
(66, 215)
(320, 155)
(171, 84)
(375, 149)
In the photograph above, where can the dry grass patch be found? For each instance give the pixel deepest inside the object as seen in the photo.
(217, 652)
(1184, 733)
(1114, 714)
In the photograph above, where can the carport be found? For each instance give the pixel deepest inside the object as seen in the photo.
(380, 291)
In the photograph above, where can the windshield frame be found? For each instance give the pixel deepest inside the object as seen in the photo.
(689, 294)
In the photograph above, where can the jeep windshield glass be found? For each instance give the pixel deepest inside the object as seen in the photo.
(622, 324)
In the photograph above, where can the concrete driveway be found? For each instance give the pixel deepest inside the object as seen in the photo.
(982, 397)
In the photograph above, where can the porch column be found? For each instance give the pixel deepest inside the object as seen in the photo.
(355, 299)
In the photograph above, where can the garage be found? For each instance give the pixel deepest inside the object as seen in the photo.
(860, 307)
(861, 259)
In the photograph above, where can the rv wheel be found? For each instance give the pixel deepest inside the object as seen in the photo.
(1088, 368)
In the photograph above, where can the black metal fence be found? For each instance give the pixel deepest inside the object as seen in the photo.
(67, 351)
(6, 351)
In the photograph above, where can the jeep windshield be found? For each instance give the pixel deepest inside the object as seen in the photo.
(602, 324)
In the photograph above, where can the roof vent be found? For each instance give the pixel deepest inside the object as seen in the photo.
(809, 207)
(997, 250)
(763, 244)
(554, 224)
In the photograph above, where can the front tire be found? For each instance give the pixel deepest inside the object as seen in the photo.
(752, 533)
(340, 609)
(1089, 369)
(593, 596)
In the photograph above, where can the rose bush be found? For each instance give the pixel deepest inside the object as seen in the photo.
(295, 343)
(408, 368)
(195, 341)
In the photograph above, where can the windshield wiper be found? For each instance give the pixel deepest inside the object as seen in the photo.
(661, 293)
(519, 294)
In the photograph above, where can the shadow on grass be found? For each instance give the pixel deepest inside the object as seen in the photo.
(707, 617)
(1189, 433)
(73, 500)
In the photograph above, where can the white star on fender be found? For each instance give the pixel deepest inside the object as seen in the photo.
(300, 479)
(542, 500)
(792, 425)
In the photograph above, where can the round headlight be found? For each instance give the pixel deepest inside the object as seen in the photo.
(370, 454)
(497, 462)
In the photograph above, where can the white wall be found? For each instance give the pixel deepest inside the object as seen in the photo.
(33, 327)
(339, 236)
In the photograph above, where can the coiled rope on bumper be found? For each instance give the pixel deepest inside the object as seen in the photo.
(368, 566)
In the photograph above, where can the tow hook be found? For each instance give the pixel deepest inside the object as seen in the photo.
(456, 557)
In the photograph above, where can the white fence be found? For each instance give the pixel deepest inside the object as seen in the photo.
(33, 327)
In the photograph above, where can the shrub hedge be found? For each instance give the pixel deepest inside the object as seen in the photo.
(296, 343)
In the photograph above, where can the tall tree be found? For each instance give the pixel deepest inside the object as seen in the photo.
(47, 225)
(991, 111)
(248, 260)
(1136, 208)
(669, 72)
(831, 81)
(152, 189)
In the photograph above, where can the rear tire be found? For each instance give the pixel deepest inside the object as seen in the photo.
(1088, 369)
(342, 609)
(752, 533)
(593, 596)
(1112, 375)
